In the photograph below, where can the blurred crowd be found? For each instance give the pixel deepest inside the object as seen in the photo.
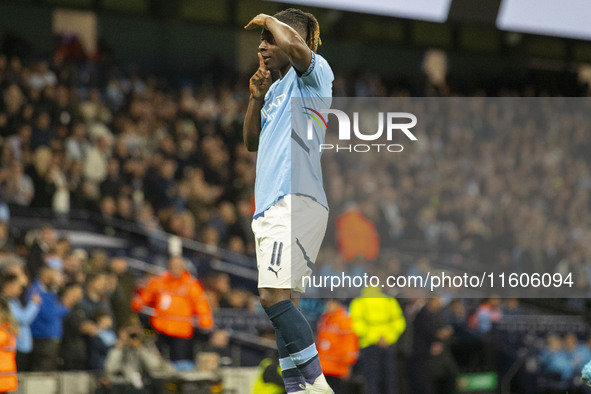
(563, 357)
(71, 310)
(132, 150)
(503, 184)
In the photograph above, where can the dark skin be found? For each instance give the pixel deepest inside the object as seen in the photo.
(281, 48)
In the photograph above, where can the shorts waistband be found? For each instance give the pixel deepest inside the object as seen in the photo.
(262, 214)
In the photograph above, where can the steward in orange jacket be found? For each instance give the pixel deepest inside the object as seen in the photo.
(337, 343)
(357, 236)
(177, 299)
(8, 332)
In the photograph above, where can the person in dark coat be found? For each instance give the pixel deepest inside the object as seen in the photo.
(431, 368)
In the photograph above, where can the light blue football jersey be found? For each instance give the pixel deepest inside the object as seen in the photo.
(288, 162)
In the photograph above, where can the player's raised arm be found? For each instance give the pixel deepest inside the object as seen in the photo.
(287, 39)
(259, 85)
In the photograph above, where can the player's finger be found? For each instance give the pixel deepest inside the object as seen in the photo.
(266, 74)
(261, 61)
(251, 25)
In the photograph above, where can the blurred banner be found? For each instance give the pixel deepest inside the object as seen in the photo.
(428, 10)
(553, 18)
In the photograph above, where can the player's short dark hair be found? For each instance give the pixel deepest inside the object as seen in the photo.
(302, 21)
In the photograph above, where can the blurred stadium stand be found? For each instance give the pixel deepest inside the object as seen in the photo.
(162, 36)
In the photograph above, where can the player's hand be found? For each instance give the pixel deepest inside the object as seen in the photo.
(260, 81)
(259, 20)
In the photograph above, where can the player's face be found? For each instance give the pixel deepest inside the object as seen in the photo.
(273, 56)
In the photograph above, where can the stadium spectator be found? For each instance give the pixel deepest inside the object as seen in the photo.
(183, 224)
(512, 306)
(11, 287)
(269, 380)
(98, 262)
(585, 349)
(8, 333)
(161, 186)
(217, 287)
(108, 210)
(237, 298)
(42, 133)
(123, 293)
(244, 218)
(93, 109)
(95, 164)
(17, 187)
(13, 100)
(39, 172)
(13, 264)
(102, 342)
(225, 222)
(488, 312)
(177, 298)
(555, 361)
(47, 328)
(80, 327)
(357, 236)
(72, 266)
(64, 113)
(79, 190)
(62, 248)
(77, 144)
(337, 343)
(113, 183)
(41, 76)
(466, 344)
(577, 352)
(43, 244)
(218, 345)
(378, 321)
(125, 210)
(429, 347)
(131, 364)
(20, 143)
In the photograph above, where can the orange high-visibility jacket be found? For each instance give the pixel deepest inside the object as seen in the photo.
(175, 301)
(8, 379)
(357, 236)
(337, 343)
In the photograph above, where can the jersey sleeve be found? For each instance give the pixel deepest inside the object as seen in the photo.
(318, 74)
